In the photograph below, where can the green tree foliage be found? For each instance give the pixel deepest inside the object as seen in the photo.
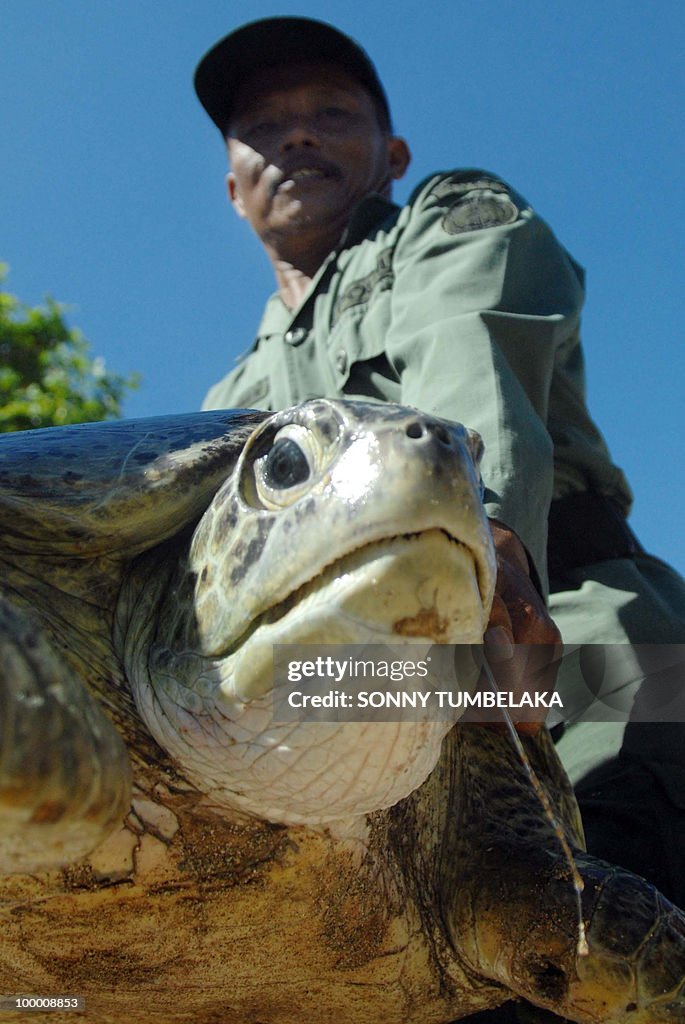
(47, 375)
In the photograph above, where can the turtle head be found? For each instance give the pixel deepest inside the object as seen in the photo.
(346, 523)
(342, 523)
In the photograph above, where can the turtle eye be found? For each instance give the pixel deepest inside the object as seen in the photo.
(284, 471)
(286, 465)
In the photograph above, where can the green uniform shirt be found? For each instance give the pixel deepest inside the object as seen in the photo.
(463, 304)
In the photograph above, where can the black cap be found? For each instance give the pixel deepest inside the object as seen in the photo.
(274, 41)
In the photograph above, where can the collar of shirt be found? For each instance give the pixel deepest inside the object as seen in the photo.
(277, 318)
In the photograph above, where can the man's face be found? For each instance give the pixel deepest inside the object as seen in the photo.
(305, 146)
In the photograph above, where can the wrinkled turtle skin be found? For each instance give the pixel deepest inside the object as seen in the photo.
(169, 853)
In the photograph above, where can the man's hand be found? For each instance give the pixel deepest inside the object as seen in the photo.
(522, 643)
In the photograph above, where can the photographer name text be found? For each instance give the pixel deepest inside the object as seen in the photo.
(297, 699)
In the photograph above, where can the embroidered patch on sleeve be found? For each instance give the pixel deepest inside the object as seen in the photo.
(479, 209)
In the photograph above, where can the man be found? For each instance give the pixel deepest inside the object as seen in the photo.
(463, 304)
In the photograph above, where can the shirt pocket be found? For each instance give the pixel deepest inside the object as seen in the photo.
(260, 380)
(252, 394)
(360, 314)
(359, 333)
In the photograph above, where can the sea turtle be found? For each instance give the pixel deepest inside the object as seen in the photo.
(173, 853)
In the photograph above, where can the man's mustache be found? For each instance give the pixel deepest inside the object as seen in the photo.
(305, 161)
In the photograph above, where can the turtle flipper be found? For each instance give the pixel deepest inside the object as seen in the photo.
(64, 771)
(636, 966)
(514, 911)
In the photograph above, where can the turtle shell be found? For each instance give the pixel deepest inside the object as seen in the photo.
(454, 900)
(97, 488)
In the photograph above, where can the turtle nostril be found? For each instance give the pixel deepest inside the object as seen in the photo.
(414, 429)
(418, 429)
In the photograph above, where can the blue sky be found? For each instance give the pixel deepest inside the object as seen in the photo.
(113, 196)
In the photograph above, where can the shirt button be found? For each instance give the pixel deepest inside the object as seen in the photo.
(295, 336)
(341, 360)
